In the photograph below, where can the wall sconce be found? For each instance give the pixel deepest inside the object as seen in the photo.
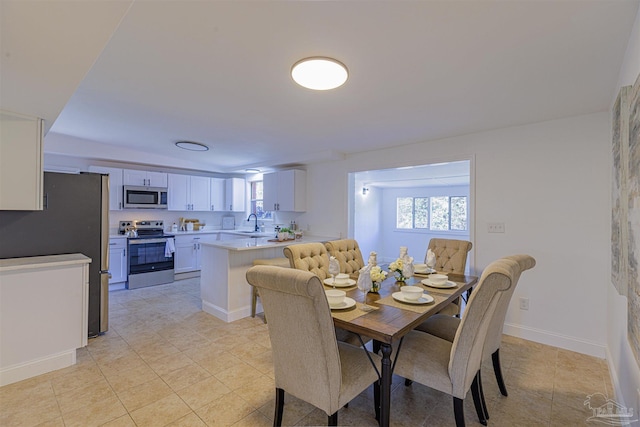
(365, 190)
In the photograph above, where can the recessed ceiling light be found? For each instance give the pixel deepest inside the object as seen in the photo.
(191, 146)
(251, 170)
(319, 73)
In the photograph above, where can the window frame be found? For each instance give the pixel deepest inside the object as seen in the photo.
(429, 206)
(253, 202)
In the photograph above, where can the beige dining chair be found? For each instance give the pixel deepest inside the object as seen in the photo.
(313, 257)
(309, 362)
(453, 367)
(445, 327)
(278, 262)
(348, 254)
(451, 258)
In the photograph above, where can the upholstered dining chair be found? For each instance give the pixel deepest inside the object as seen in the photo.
(445, 327)
(348, 254)
(451, 257)
(453, 367)
(313, 257)
(309, 362)
(278, 262)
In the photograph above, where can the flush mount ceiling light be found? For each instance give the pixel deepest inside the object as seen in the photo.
(191, 146)
(251, 170)
(319, 73)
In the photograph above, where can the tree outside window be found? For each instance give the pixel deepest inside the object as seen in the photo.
(257, 204)
(439, 213)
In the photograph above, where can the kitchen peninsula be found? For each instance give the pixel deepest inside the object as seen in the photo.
(224, 289)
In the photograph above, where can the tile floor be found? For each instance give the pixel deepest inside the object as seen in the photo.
(165, 362)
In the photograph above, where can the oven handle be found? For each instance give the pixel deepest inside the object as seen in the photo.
(143, 241)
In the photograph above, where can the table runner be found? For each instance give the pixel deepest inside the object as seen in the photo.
(416, 308)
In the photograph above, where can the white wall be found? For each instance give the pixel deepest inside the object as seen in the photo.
(549, 183)
(622, 363)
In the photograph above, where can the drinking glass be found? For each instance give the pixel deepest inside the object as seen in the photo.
(365, 287)
(334, 269)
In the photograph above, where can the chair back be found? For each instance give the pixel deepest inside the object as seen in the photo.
(494, 335)
(468, 343)
(303, 342)
(348, 254)
(311, 257)
(451, 254)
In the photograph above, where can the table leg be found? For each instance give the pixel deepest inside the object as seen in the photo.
(385, 386)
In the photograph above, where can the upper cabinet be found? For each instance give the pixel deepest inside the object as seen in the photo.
(20, 162)
(216, 199)
(115, 185)
(188, 193)
(235, 189)
(285, 191)
(145, 178)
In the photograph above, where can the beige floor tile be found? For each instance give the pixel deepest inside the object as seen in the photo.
(216, 363)
(144, 394)
(562, 415)
(203, 392)
(123, 421)
(161, 412)
(123, 380)
(254, 419)
(73, 377)
(260, 392)
(190, 420)
(56, 422)
(36, 412)
(96, 414)
(89, 394)
(167, 364)
(238, 376)
(185, 376)
(225, 411)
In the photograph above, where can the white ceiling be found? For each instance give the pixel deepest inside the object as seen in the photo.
(217, 72)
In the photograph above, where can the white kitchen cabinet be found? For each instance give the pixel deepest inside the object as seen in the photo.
(235, 190)
(216, 195)
(118, 260)
(188, 193)
(285, 191)
(187, 256)
(144, 178)
(21, 173)
(115, 185)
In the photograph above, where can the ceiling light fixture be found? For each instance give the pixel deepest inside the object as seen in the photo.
(252, 170)
(319, 73)
(191, 146)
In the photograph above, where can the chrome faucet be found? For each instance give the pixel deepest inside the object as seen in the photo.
(256, 228)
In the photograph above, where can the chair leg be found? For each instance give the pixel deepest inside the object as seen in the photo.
(495, 357)
(477, 399)
(254, 301)
(407, 382)
(458, 411)
(333, 420)
(376, 399)
(277, 419)
(481, 390)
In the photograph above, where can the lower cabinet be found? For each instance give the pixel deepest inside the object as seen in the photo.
(187, 256)
(118, 263)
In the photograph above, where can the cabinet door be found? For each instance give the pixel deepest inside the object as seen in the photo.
(178, 192)
(235, 194)
(217, 194)
(270, 191)
(198, 254)
(115, 185)
(117, 261)
(21, 176)
(185, 255)
(157, 179)
(200, 192)
(134, 177)
(292, 191)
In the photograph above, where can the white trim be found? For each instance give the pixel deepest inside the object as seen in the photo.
(227, 316)
(22, 371)
(557, 340)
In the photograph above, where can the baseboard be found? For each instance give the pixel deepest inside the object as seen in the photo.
(32, 368)
(227, 316)
(187, 275)
(557, 340)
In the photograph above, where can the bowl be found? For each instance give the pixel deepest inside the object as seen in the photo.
(412, 293)
(335, 296)
(438, 279)
(420, 268)
(342, 278)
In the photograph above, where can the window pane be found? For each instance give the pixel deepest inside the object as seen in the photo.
(440, 213)
(404, 212)
(258, 190)
(458, 213)
(421, 212)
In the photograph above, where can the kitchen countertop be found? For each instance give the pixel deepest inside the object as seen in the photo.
(250, 243)
(48, 261)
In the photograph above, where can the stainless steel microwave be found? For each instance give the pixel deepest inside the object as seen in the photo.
(144, 197)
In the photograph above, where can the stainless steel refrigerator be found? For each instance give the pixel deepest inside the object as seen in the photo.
(75, 219)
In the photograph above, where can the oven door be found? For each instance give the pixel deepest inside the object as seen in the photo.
(148, 255)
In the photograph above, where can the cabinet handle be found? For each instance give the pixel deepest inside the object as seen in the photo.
(230, 207)
(112, 244)
(124, 253)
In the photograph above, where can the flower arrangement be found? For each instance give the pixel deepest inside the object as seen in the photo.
(396, 268)
(377, 277)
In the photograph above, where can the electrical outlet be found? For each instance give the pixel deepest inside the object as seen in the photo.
(524, 303)
(496, 227)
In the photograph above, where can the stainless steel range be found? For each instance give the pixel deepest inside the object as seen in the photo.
(150, 253)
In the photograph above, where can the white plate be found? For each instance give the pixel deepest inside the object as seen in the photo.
(448, 284)
(347, 303)
(424, 271)
(349, 282)
(424, 299)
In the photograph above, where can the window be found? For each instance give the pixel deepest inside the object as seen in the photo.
(440, 213)
(257, 205)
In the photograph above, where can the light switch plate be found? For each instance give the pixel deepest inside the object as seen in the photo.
(496, 227)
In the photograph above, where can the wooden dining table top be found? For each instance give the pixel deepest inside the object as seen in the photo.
(388, 323)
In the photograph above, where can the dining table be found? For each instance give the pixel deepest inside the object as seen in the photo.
(391, 318)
